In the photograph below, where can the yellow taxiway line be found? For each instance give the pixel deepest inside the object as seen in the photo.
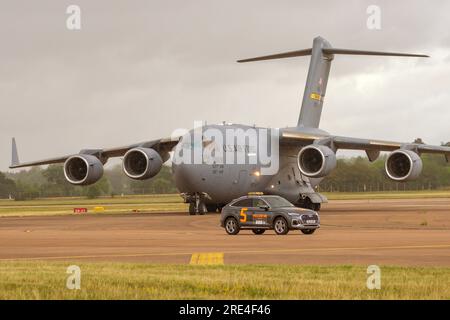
(209, 258)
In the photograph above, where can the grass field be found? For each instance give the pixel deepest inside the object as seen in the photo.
(164, 202)
(61, 206)
(388, 195)
(47, 280)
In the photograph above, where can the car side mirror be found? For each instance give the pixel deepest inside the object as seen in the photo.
(264, 207)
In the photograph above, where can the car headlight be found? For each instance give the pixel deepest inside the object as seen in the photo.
(292, 214)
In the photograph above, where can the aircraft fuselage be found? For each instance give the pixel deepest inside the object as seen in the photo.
(223, 182)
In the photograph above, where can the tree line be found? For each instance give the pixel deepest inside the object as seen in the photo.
(359, 175)
(41, 182)
(351, 175)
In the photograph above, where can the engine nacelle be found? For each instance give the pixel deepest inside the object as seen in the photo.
(83, 169)
(141, 163)
(403, 165)
(316, 161)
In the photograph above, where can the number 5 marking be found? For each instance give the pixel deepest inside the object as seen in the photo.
(243, 215)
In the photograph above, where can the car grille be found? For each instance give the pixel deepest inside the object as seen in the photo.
(306, 219)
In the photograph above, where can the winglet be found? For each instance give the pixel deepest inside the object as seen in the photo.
(15, 156)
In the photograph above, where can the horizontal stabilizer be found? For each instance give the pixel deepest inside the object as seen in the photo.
(290, 54)
(307, 52)
(371, 53)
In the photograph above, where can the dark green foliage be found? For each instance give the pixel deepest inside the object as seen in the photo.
(358, 174)
(50, 182)
(7, 186)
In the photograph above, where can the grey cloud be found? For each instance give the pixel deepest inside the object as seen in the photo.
(139, 69)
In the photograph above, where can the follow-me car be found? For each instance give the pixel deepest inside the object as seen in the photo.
(261, 212)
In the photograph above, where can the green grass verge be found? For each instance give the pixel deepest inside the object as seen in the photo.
(62, 206)
(47, 280)
(387, 195)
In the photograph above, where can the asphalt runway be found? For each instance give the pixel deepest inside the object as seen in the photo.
(382, 232)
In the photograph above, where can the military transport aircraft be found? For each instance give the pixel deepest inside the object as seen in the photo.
(305, 153)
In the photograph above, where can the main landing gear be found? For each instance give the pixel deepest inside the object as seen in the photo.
(198, 204)
(308, 204)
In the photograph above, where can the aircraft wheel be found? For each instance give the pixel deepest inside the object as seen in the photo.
(232, 226)
(197, 207)
(308, 231)
(192, 209)
(258, 231)
(280, 226)
(202, 208)
(211, 207)
(308, 204)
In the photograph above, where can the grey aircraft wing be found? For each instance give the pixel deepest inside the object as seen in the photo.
(371, 146)
(162, 146)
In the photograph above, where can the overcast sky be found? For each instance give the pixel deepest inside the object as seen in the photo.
(137, 70)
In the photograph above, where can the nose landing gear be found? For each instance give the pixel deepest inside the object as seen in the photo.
(200, 203)
(197, 204)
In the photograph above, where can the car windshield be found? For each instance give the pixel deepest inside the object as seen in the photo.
(278, 202)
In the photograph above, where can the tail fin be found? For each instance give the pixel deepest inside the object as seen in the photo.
(14, 155)
(322, 53)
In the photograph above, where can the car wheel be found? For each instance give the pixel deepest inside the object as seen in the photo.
(232, 226)
(308, 231)
(280, 226)
(258, 231)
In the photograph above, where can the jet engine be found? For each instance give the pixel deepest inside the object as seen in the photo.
(403, 165)
(316, 161)
(141, 163)
(83, 169)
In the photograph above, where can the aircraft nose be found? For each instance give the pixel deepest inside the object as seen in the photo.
(185, 175)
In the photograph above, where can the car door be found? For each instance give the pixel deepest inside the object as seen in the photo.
(260, 216)
(244, 211)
